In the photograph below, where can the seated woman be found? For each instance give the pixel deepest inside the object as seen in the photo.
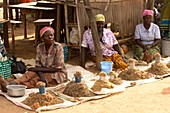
(49, 62)
(111, 50)
(147, 38)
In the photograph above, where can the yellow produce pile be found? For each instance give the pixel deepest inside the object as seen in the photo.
(158, 69)
(117, 81)
(99, 84)
(77, 90)
(36, 100)
(134, 74)
(168, 64)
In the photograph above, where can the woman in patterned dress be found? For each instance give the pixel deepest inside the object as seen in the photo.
(49, 62)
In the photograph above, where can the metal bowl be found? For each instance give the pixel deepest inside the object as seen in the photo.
(16, 90)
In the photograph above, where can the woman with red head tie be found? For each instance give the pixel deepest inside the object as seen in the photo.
(147, 38)
(49, 64)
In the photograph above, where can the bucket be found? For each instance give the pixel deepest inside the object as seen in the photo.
(106, 66)
(165, 47)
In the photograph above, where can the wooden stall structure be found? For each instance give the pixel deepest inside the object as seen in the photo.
(123, 15)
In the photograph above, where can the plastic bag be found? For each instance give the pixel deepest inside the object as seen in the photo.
(17, 66)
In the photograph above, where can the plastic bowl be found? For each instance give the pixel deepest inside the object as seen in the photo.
(16, 90)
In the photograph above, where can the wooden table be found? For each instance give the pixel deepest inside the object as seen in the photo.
(29, 8)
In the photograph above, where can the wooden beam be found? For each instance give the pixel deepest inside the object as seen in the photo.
(95, 34)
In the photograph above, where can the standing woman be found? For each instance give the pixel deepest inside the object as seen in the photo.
(147, 38)
(49, 62)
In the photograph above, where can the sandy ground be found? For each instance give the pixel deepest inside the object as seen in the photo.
(146, 98)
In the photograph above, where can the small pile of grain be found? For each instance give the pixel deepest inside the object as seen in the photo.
(158, 69)
(36, 100)
(78, 74)
(114, 79)
(117, 81)
(77, 90)
(168, 64)
(99, 84)
(134, 74)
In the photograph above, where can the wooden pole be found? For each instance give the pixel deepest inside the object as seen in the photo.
(13, 39)
(5, 12)
(66, 23)
(58, 23)
(5, 27)
(80, 25)
(95, 34)
(150, 4)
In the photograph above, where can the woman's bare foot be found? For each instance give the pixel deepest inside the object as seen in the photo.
(3, 84)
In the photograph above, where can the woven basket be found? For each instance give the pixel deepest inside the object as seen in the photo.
(5, 69)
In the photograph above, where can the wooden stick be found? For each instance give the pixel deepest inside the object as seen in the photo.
(95, 34)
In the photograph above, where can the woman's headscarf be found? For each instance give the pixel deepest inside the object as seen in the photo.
(100, 17)
(44, 29)
(147, 12)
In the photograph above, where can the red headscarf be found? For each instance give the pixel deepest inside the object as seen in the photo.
(147, 12)
(44, 29)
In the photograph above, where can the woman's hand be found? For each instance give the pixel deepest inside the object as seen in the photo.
(147, 47)
(108, 46)
(32, 69)
(124, 59)
(43, 78)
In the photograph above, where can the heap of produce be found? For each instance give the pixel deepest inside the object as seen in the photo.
(102, 83)
(36, 100)
(113, 79)
(134, 74)
(77, 88)
(158, 68)
(168, 64)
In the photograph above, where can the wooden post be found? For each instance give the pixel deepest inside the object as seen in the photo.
(5, 27)
(5, 11)
(80, 28)
(144, 4)
(150, 4)
(95, 34)
(13, 39)
(58, 23)
(25, 25)
(66, 22)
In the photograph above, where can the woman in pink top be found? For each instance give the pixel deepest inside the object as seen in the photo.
(111, 50)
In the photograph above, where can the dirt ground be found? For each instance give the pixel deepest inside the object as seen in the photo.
(146, 98)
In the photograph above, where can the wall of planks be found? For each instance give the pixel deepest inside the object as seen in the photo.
(123, 15)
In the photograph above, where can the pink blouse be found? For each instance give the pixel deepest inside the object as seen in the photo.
(108, 40)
